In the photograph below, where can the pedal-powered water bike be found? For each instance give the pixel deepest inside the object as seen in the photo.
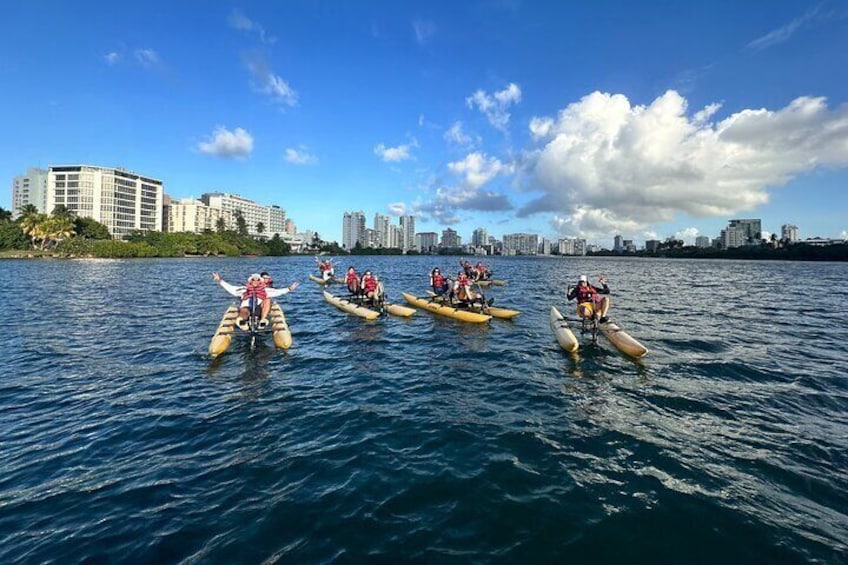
(251, 328)
(594, 323)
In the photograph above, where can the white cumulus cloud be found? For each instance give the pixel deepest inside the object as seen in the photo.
(268, 83)
(112, 58)
(607, 166)
(395, 154)
(300, 156)
(495, 105)
(237, 143)
(477, 169)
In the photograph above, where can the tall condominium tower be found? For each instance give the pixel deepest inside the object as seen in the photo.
(121, 200)
(353, 229)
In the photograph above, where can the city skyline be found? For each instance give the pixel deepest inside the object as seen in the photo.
(548, 118)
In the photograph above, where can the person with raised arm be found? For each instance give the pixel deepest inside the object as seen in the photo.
(254, 290)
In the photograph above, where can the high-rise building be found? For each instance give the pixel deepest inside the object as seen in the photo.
(618, 244)
(353, 229)
(394, 237)
(191, 215)
(521, 244)
(732, 236)
(272, 218)
(545, 246)
(121, 200)
(789, 233)
(450, 239)
(381, 227)
(480, 237)
(427, 241)
(652, 245)
(751, 230)
(30, 188)
(407, 226)
(702, 241)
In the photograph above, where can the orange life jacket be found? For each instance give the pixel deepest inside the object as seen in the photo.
(586, 293)
(369, 284)
(256, 291)
(438, 280)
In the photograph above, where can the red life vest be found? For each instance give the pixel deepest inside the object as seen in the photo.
(462, 281)
(369, 284)
(438, 280)
(586, 293)
(351, 278)
(256, 291)
(323, 267)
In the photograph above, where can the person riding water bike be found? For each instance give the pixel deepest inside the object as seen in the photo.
(441, 285)
(352, 282)
(371, 288)
(482, 272)
(590, 304)
(326, 268)
(256, 290)
(266, 278)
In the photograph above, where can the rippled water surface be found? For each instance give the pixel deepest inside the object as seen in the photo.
(426, 439)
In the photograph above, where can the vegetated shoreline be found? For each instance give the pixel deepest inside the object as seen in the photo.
(798, 252)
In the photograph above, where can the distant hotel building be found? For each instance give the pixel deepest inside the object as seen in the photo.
(571, 247)
(191, 215)
(702, 241)
(450, 239)
(521, 244)
(272, 218)
(789, 233)
(30, 188)
(427, 241)
(121, 200)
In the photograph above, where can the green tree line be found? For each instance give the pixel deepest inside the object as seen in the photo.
(61, 232)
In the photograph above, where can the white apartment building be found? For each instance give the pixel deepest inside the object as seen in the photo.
(192, 215)
(789, 233)
(407, 226)
(426, 242)
(395, 237)
(381, 227)
(273, 218)
(30, 188)
(353, 229)
(121, 200)
(480, 237)
(521, 243)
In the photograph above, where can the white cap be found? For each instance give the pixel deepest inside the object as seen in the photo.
(583, 278)
(254, 276)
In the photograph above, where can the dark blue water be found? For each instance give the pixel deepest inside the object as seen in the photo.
(424, 440)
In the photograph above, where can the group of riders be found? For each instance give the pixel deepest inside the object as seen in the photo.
(367, 289)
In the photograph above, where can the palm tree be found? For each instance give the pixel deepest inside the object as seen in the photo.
(260, 228)
(54, 230)
(61, 211)
(241, 223)
(220, 225)
(5, 215)
(31, 224)
(27, 210)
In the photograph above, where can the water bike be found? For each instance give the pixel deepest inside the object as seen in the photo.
(253, 328)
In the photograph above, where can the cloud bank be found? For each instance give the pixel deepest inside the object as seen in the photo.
(227, 144)
(607, 166)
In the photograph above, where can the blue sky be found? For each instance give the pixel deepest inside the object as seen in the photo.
(560, 118)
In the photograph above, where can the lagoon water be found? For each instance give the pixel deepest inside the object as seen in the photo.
(424, 440)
